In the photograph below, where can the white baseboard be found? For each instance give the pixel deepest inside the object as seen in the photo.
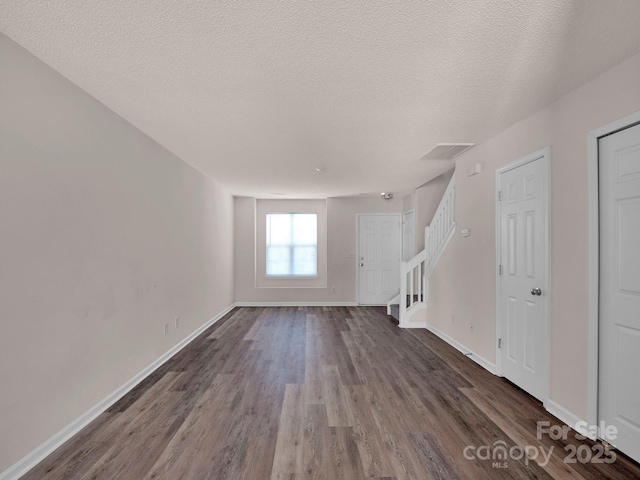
(484, 363)
(566, 416)
(414, 325)
(36, 456)
(296, 304)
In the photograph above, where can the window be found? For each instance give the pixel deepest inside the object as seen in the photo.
(292, 244)
(287, 272)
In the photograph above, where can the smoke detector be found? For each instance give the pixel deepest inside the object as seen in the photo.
(386, 196)
(446, 151)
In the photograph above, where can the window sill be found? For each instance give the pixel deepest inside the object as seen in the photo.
(291, 277)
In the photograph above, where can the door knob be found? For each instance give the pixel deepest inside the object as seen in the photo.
(362, 264)
(536, 291)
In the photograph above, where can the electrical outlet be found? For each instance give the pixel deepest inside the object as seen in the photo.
(333, 289)
(166, 329)
(177, 322)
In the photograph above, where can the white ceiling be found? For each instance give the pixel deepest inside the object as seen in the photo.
(257, 94)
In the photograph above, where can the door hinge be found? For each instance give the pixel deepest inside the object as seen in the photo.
(499, 269)
(499, 343)
(500, 195)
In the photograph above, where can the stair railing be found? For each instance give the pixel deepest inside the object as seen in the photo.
(412, 284)
(414, 274)
(443, 225)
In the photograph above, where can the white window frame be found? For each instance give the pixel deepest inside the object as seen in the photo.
(264, 206)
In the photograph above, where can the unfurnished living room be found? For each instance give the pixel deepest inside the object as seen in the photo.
(317, 239)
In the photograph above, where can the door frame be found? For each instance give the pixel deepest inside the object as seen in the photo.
(594, 257)
(357, 262)
(544, 154)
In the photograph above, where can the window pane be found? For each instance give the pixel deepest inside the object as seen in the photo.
(304, 260)
(279, 229)
(292, 244)
(278, 260)
(305, 229)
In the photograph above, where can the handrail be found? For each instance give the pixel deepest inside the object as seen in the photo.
(413, 263)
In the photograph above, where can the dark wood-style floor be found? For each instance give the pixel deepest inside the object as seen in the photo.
(330, 393)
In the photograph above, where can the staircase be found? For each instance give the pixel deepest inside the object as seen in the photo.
(395, 308)
(414, 274)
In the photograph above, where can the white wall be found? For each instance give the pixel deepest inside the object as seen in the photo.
(341, 250)
(105, 237)
(464, 281)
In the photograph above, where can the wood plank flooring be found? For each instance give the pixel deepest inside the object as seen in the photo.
(321, 393)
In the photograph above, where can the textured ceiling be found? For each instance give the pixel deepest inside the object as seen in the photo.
(257, 94)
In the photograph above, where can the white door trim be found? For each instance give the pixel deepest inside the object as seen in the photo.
(545, 155)
(357, 262)
(594, 257)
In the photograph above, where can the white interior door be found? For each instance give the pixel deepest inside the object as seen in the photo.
(408, 235)
(378, 258)
(619, 318)
(522, 289)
